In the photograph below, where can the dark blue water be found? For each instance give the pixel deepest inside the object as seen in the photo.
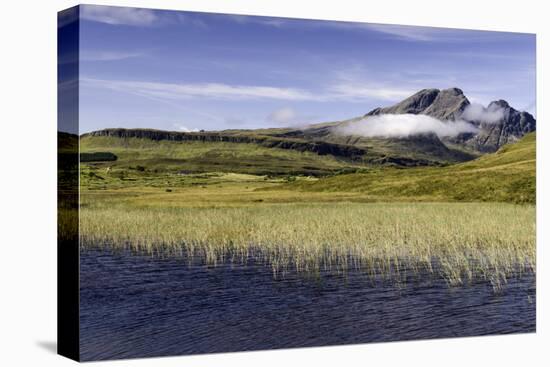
(138, 306)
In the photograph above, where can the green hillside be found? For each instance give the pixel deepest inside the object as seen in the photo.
(506, 176)
(199, 157)
(418, 150)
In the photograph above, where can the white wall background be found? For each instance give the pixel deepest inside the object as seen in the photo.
(28, 181)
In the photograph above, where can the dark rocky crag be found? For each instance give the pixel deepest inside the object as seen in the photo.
(514, 125)
(318, 147)
(446, 104)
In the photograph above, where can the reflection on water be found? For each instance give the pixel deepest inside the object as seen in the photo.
(139, 306)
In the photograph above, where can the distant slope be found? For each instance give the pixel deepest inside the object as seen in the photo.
(507, 175)
(169, 156)
(425, 150)
(236, 136)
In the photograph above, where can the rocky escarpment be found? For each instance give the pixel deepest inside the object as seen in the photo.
(318, 147)
(510, 128)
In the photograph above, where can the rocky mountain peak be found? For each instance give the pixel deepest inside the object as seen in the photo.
(442, 104)
(453, 91)
(414, 104)
(450, 104)
(500, 103)
(509, 128)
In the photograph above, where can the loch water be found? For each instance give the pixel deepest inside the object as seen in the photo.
(137, 305)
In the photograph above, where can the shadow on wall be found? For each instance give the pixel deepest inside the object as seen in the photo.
(48, 345)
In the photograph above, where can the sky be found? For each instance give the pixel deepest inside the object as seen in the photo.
(187, 71)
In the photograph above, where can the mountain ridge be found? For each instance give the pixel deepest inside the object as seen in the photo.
(426, 149)
(450, 104)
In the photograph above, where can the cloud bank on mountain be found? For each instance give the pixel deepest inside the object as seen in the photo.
(404, 125)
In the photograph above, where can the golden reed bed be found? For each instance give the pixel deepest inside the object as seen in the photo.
(465, 241)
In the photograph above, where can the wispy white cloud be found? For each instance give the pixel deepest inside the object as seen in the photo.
(407, 32)
(358, 82)
(477, 112)
(442, 34)
(283, 116)
(267, 21)
(434, 34)
(337, 92)
(404, 125)
(203, 90)
(184, 18)
(139, 17)
(107, 55)
(118, 15)
(411, 33)
(351, 92)
(289, 117)
(184, 128)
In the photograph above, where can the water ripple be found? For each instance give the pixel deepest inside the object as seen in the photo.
(139, 306)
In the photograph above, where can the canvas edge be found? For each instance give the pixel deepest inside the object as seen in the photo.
(68, 257)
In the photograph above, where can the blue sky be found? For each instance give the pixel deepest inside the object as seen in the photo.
(184, 71)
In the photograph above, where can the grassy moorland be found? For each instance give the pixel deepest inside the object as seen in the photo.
(459, 222)
(169, 157)
(509, 175)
